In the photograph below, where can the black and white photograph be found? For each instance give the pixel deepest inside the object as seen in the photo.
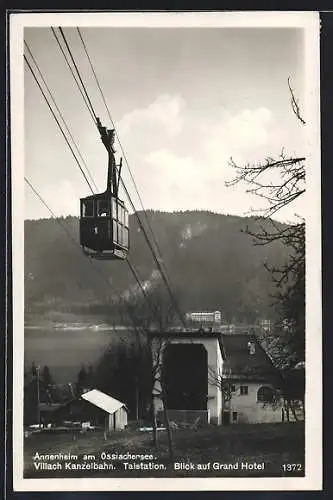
(166, 251)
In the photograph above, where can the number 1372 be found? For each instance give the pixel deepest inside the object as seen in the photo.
(292, 467)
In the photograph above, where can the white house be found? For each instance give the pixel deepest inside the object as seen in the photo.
(196, 368)
(253, 382)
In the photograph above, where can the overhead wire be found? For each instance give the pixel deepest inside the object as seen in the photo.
(60, 114)
(120, 144)
(77, 244)
(162, 269)
(78, 73)
(36, 193)
(152, 306)
(131, 266)
(58, 123)
(69, 235)
(73, 75)
(91, 110)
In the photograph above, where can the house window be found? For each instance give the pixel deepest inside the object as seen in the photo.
(244, 390)
(234, 416)
(233, 388)
(265, 394)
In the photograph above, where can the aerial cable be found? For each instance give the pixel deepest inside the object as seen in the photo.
(70, 236)
(162, 272)
(74, 76)
(61, 115)
(78, 73)
(123, 152)
(58, 123)
(91, 109)
(120, 144)
(158, 264)
(37, 194)
(151, 306)
(76, 243)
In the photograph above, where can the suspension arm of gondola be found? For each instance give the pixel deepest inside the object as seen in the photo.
(108, 136)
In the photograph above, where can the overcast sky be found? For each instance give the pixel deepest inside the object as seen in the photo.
(184, 100)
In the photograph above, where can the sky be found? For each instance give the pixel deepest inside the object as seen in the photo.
(183, 100)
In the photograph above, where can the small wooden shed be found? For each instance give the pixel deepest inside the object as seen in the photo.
(116, 418)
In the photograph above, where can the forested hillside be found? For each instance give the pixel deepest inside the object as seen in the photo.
(211, 263)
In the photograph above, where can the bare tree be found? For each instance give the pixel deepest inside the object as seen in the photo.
(166, 315)
(289, 279)
(154, 313)
(158, 345)
(221, 379)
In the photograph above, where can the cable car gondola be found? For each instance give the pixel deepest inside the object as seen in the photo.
(104, 231)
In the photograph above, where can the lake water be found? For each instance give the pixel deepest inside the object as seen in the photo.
(64, 348)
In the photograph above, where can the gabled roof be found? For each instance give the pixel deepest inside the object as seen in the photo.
(239, 363)
(199, 333)
(103, 401)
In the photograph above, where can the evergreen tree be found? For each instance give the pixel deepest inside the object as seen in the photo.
(47, 377)
(82, 379)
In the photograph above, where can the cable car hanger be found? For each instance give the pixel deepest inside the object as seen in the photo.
(108, 137)
(104, 233)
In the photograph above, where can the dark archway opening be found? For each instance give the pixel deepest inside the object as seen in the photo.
(185, 372)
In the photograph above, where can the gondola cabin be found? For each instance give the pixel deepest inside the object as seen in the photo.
(104, 227)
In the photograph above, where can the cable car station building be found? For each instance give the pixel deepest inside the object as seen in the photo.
(195, 368)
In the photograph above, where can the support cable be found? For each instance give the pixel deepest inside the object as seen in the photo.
(134, 272)
(73, 75)
(91, 109)
(157, 260)
(61, 115)
(120, 144)
(77, 244)
(78, 73)
(58, 123)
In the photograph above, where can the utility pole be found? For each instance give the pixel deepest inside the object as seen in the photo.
(136, 398)
(38, 394)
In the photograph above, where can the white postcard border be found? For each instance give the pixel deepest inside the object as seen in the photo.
(309, 21)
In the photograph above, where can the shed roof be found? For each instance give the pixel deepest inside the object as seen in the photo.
(103, 401)
(240, 363)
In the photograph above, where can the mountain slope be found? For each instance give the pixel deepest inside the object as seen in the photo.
(211, 263)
